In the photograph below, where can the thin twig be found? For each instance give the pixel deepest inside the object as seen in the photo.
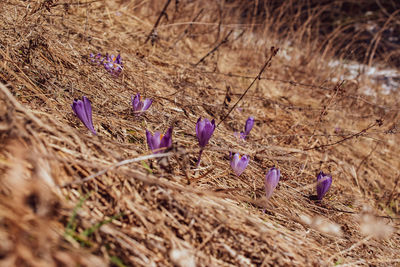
(158, 20)
(366, 157)
(188, 28)
(215, 48)
(359, 243)
(325, 108)
(240, 35)
(209, 237)
(394, 190)
(19, 107)
(378, 122)
(153, 180)
(235, 75)
(116, 165)
(220, 20)
(294, 83)
(267, 64)
(337, 90)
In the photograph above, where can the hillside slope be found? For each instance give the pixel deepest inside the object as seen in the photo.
(70, 198)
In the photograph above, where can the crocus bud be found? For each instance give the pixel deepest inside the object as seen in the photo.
(324, 182)
(239, 163)
(249, 125)
(83, 110)
(158, 142)
(271, 181)
(140, 106)
(204, 131)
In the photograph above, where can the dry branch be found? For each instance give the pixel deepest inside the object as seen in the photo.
(267, 64)
(163, 13)
(225, 40)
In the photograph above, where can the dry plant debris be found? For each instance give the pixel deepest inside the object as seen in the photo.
(71, 198)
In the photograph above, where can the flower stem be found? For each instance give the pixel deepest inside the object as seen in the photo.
(198, 159)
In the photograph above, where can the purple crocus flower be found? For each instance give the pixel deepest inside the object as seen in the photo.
(249, 125)
(204, 131)
(271, 181)
(239, 163)
(97, 59)
(140, 106)
(247, 128)
(158, 142)
(324, 182)
(240, 136)
(83, 110)
(113, 64)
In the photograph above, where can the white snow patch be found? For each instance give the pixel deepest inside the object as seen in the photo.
(388, 79)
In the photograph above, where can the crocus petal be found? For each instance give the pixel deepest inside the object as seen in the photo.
(166, 141)
(149, 140)
(146, 104)
(140, 106)
(102, 58)
(234, 161)
(107, 66)
(204, 131)
(136, 102)
(239, 164)
(157, 143)
(112, 64)
(83, 110)
(156, 140)
(249, 125)
(271, 181)
(118, 59)
(324, 182)
(208, 131)
(199, 128)
(96, 58)
(79, 110)
(88, 109)
(74, 106)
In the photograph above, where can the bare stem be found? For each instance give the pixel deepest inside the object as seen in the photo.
(163, 13)
(198, 159)
(215, 48)
(274, 51)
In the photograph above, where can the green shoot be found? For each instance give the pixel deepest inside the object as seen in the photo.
(117, 261)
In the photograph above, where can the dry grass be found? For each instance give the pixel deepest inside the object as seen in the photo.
(150, 216)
